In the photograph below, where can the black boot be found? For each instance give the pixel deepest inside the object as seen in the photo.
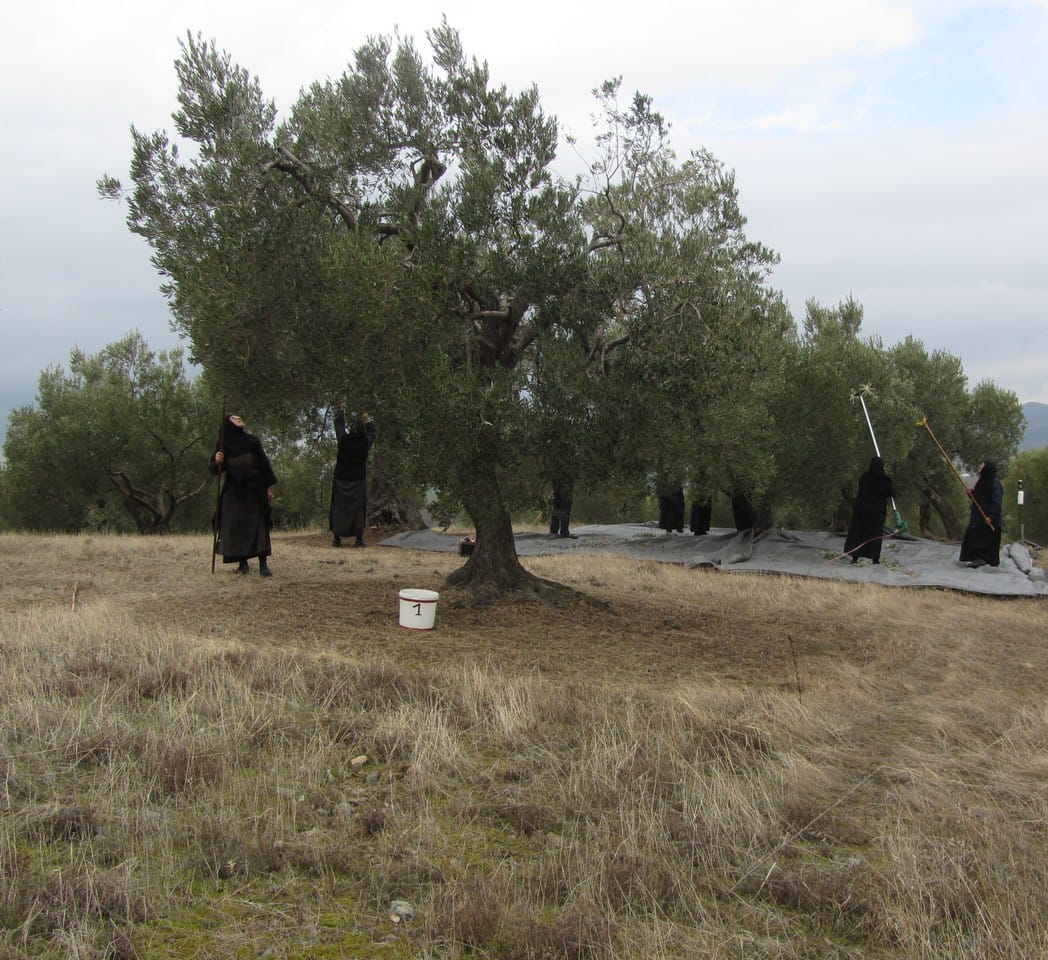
(263, 567)
(359, 542)
(336, 541)
(243, 567)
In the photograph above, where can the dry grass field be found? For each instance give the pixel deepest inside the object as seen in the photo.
(671, 764)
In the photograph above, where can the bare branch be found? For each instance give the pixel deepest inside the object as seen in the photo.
(478, 331)
(301, 172)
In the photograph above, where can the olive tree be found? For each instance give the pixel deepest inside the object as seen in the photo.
(1030, 519)
(122, 435)
(401, 241)
(824, 442)
(931, 401)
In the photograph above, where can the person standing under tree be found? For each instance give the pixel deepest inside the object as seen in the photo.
(560, 512)
(671, 508)
(866, 530)
(982, 538)
(701, 514)
(244, 517)
(349, 488)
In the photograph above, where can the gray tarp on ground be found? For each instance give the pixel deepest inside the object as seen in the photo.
(906, 561)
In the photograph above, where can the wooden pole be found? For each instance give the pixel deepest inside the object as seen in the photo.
(923, 422)
(218, 488)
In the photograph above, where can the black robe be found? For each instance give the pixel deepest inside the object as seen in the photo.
(701, 512)
(244, 516)
(671, 510)
(743, 513)
(347, 516)
(560, 510)
(866, 530)
(981, 543)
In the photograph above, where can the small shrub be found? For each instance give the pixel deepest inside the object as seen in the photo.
(63, 823)
(370, 821)
(174, 767)
(66, 900)
(471, 914)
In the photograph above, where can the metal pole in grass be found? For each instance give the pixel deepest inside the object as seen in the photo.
(1020, 497)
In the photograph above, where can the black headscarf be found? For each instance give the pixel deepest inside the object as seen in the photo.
(983, 489)
(988, 472)
(235, 440)
(246, 463)
(875, 482)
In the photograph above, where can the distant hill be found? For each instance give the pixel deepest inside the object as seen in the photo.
(1036, 435)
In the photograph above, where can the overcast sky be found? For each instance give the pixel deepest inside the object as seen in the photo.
(892, 150)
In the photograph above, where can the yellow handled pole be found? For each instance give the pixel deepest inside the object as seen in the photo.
(923, 422)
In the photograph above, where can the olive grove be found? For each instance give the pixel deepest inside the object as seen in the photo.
(403, 242)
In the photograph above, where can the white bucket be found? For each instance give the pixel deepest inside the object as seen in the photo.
(418, 609)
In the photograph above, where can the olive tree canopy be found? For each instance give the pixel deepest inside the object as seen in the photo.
(401, 242)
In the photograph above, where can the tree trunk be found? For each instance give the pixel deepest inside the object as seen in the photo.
(951, 525)
(145, 509)
(841, 519)
(925, 519)
(386, 508)
(493, 565)
(147, 519)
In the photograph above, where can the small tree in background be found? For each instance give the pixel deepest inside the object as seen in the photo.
(120, 440)
(1030, 466)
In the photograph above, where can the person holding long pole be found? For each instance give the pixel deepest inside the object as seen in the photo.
(867, 390)
(981, 544)
(923, 422)
(347, 516)
(866, 529)
(982, 538)
(245, 516)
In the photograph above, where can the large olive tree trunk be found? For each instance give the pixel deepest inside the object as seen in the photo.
(387, 508)
(494, 563)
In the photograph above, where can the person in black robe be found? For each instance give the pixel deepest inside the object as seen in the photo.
(671, 510)
(743, 513)
(560, 510)
(866, 530)
(349, 488)
(701, 514)
(244, 516)
(982, 541)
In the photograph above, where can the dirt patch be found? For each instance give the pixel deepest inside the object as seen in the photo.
(325, 600)
(627, 620)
